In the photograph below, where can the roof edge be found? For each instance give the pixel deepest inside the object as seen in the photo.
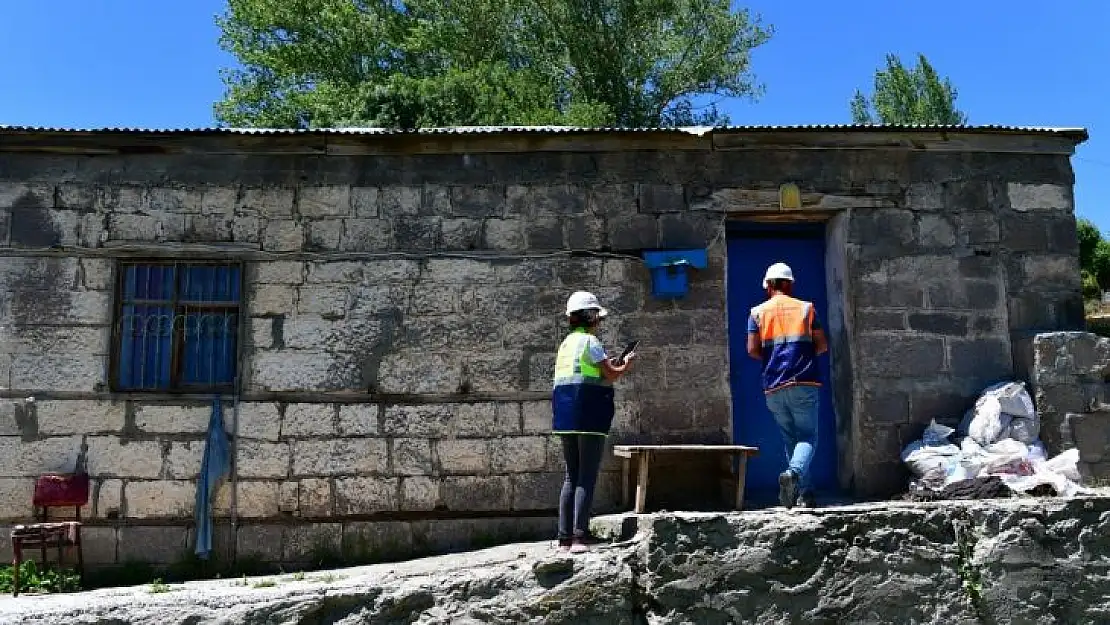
(988, 138)
(1077, 132)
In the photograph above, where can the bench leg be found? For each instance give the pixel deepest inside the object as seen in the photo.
(741, 480)
(17, 559)
(626, 483)
(80, 559)
(642, 482)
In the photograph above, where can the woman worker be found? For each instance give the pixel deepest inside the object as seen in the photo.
(582, 406)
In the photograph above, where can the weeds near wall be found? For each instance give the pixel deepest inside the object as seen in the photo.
(188, 568)
(36, 578)
(357, 550)
(971, 576)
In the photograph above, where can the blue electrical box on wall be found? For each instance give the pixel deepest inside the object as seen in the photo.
(669, 268)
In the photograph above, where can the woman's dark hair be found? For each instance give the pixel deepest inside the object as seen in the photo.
(584, 319)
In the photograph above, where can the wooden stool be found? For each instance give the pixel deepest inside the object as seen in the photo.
(52, 491)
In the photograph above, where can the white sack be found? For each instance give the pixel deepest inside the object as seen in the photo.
(1012, 398)
(989, 422)
(933, 454)
(1005, 456)
(1061, 473)
(1016, 402)
(1003, 410)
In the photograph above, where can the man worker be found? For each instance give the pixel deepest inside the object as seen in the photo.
(784, 335)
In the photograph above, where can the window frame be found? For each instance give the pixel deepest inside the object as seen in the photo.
(177, 341)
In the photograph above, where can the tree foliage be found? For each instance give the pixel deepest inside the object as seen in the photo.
(916, 95)
(421, 63)
(1089, 237)
(1100, 264)
(1094, 258)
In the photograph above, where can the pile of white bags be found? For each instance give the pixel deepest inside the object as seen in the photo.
(1002, 411)
(999, 436)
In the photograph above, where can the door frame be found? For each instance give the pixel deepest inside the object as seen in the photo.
(838, 325)
(776, 229)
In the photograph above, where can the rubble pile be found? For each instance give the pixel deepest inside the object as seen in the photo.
(994, 451)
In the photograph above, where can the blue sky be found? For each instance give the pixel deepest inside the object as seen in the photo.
(144, 63)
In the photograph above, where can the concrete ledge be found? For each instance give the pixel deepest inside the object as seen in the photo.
(1001, 561)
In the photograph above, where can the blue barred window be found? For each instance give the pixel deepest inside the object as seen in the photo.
(178, 327)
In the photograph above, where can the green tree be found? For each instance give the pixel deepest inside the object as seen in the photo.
(1091, 289)
(1089, 236)
(1094, 258)
(1100, 264)
(421, 63)
(916, 95)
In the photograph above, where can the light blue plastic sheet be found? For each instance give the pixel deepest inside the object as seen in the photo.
(214, 468)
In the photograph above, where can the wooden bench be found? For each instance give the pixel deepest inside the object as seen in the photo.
(642, 455)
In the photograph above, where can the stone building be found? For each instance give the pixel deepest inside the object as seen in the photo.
(379, 311)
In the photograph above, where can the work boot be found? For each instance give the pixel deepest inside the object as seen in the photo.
(806, 500)
(788, 488)
(578, 545)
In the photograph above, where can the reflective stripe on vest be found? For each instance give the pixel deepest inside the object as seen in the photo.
(784, 320)
(572, 365)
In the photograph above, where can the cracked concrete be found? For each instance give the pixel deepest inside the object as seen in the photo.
(1005, 561)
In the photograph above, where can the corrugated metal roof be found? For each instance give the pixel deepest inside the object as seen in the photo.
(1076, 133)
(359, 131)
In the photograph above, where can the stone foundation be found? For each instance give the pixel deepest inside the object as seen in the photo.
(996, 562)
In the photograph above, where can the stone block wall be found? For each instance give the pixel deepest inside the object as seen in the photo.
(402, 313)
(1069, 376)
(940, 287)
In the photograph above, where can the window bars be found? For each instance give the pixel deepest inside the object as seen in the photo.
(177, 326)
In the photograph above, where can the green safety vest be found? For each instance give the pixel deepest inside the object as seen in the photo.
(572, 365)
(582, 399)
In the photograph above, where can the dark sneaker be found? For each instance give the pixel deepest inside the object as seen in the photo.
(578, 545)
(806, 500)
(788, 488)
(564, 544)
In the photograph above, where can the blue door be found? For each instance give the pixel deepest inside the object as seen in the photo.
(751, 249)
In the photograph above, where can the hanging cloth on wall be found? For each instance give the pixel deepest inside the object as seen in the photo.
(214, 467)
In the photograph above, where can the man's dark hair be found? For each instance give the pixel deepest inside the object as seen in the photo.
(783, 286)
(584, 319)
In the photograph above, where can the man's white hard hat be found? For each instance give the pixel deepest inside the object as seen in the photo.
(777, 271)
(582, 300)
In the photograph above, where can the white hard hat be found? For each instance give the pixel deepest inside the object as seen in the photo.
(777, 271)
(582, 300)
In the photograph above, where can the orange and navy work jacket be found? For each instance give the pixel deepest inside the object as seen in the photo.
(785, 328)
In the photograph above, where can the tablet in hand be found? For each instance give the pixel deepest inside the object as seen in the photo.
(628, 351)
